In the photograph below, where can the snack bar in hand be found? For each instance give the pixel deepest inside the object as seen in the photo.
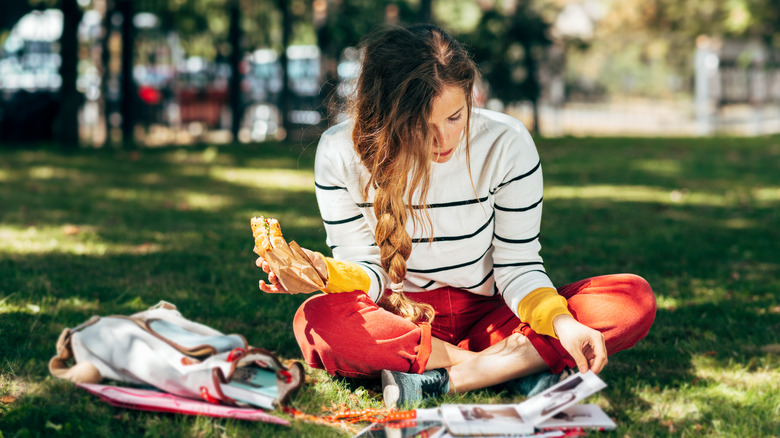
(295, 271)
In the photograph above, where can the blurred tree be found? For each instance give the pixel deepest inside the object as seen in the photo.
(425, 14)
(222, 31)
(236, 54)
(764, 19)
(70, 99)
(648, 44)
(66, 129)
(674, 22)
(12, 11)
(342, 23)
(284, 100)
(128, 108)
(507, 45)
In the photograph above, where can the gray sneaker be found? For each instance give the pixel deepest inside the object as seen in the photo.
(401, 389)
(531, 385)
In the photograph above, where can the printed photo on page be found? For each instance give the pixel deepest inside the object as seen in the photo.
(558, 397)
(484, 419)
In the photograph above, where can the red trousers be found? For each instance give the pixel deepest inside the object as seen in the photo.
(347, 334)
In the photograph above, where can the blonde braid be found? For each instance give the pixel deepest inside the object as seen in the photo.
(403, 71)
(396, 245)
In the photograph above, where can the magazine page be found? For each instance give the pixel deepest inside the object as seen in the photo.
(544, 405)
(483, 419)
(404, 429)
(547, 434)
(579, 416)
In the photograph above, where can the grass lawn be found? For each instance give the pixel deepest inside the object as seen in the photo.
(113, 232)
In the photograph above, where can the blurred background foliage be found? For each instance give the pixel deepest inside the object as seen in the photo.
(247, 62)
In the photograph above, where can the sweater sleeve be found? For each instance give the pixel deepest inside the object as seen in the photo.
(519, 269)
(349, 235)
(540, 307)
(345, 277)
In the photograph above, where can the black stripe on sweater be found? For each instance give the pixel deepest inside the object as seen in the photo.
(503, 239)
(490, 274)
(439, 205)
(322, 187)
(530, 207)
(370, 267)
(343, 221)
(427, 285)
(332, 247)
(507, 265)
(527, 272)
(451, 238)
(446, 268)
(517, 178)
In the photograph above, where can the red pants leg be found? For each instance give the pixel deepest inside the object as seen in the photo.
(347, 334)
(622, 307)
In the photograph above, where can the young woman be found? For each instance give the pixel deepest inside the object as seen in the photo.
(432, 210)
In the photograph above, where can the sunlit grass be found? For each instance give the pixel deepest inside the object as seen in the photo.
(267, 179)
(52, 172)
(47, 305)
(761, 374)
(7, 307)
(644, 194)
(667, 167)
(667, 302)
(671, 404)
(766, 194)
(727, 401)
(66, 239)
(49, 239)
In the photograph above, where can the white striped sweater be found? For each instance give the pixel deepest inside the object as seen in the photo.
(485, 235)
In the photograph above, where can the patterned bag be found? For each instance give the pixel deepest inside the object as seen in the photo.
(160, 348)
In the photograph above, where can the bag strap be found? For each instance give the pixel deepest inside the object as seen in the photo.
(82, 372)
(190, 343)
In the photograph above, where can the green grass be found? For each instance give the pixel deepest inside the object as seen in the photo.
(113, 232)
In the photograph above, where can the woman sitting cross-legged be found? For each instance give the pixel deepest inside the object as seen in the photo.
(432, 209)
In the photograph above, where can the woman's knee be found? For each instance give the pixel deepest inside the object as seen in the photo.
(642, 301)
(353, 337)
(320, 312)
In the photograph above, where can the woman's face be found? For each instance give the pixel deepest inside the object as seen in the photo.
(448, 118)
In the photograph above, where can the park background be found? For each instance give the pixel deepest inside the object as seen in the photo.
(137, 138)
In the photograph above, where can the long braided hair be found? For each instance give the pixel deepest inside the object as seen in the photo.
(403, 71)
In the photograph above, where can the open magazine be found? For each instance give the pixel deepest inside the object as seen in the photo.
(547, 412)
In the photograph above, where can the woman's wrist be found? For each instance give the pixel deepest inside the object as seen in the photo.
(560, 322)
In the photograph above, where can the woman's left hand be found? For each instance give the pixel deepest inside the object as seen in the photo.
(583, 343)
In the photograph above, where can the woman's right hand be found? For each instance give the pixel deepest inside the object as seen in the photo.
(273, 286)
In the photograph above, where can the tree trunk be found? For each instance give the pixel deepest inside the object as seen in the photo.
(329, 56)
(284, 98)
(70, 100)
(128, 105)
(533, 80)
(425, 15)
(236, 106)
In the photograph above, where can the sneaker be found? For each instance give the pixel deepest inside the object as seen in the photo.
(400, 389)
(531, 385)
